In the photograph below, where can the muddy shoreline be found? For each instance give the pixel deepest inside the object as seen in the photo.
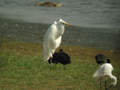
(104, 38)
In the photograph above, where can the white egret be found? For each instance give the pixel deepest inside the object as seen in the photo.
(104, 71)
(52, 38)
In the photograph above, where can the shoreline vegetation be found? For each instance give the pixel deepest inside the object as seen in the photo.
(22, 46)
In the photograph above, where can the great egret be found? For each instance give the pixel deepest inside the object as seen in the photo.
(60, 57)
(52, 38)
(104, 71)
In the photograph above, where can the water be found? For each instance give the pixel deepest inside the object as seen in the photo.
(96, 23)
(85, 13)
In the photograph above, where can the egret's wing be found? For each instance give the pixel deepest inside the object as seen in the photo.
(45, 51)
(58, 41)
(49, 42)
(46, 55)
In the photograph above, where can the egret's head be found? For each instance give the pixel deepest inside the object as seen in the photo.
(64, 22)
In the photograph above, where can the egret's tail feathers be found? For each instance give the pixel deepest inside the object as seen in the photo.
(46, 55)
(45, 58)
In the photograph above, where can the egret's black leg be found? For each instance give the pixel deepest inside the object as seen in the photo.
(64, 67)
(100, 85)
(55, 65)
(50, 62)
(50, 67)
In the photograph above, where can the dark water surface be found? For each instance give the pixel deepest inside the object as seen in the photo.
(87, 13)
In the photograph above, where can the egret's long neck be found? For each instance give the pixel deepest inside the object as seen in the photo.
(114, 78)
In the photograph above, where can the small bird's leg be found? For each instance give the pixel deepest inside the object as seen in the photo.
(111, 86)
(100, 85)
(105, 84)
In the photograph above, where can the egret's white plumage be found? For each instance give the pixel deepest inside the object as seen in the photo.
(52, 38)
(105, 70)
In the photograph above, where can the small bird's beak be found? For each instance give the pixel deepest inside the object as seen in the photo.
(67, 24)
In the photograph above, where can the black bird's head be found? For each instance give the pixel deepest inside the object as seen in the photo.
(108, 61)
(61, 50)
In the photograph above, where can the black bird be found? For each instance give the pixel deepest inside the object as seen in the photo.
(108, 61)
(100, 59)
(60, 57)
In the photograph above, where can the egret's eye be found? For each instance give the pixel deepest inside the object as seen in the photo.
(63, 23)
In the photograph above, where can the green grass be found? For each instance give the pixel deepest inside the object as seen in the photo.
(22, 68)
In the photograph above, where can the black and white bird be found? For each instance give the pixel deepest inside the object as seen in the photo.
(60, 57)
(105, 71)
